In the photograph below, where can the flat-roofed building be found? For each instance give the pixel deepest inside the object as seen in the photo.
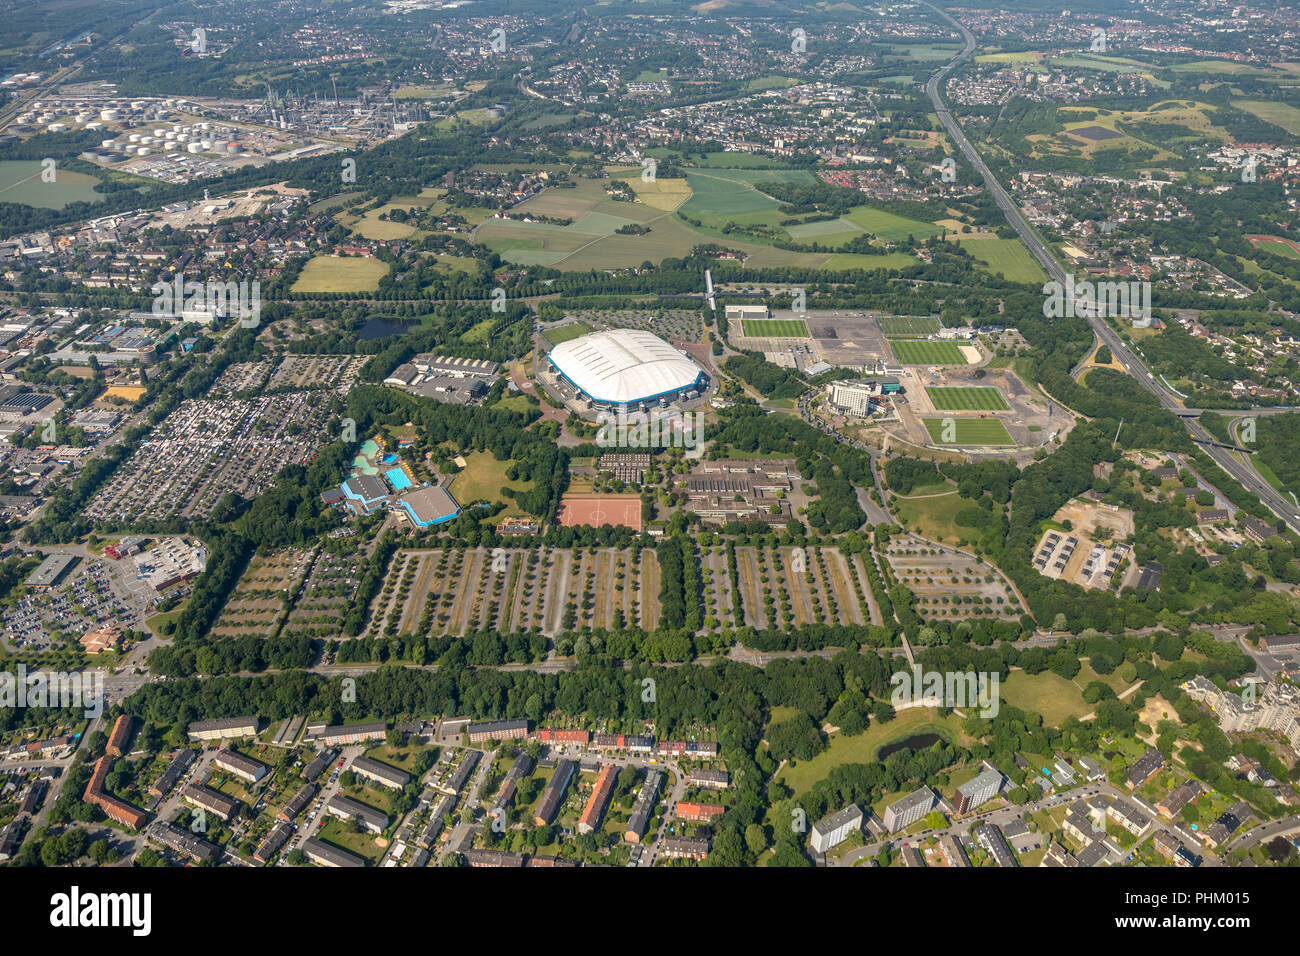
(51, 571)
(830, 831)
(345, 808)
(428, 506)
(380, 773)
(978, 791)
(227, 728)
(907, 810)
(549, 735)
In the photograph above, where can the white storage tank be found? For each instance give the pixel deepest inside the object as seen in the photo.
(194, 148)
(145, 151)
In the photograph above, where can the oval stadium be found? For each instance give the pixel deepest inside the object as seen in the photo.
(627, 370)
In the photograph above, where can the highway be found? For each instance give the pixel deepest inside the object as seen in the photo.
(1222, 456)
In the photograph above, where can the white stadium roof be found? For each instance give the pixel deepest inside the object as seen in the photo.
(624, 366)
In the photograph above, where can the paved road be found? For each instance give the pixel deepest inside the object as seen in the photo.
(1282, 506)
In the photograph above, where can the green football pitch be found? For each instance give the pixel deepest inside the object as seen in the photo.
(775, 329)
(966, 398)
(969, 431)
(923, 352)
(902, 325)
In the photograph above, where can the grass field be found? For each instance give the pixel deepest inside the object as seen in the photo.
(970, 431)
(862, 748)
(971, 398)
(340, 274)
(1044, 693)
(1279, 114)
(482, 480)
(1285, 248)
(1007, 256)
(562, 333)
(21, 182)
(931, 510)
(923, 352)
(889, 227)
(904, 325)
(775, 329)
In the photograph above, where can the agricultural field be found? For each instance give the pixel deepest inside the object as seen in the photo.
(1279, 114)
(340, 274)
(1009, 257)
(923, 352)
(902, 326)
(21, 182)
(970, 398)
(970, 431)
(776, 328)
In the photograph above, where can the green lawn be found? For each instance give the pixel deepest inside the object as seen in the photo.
(969, 431)
(1007, 256)
(862, 748)
(972, 398)
(899, 326)
(924, 352)
(775, 328)
(482, 479)
(1046, 693)
(562, 333)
